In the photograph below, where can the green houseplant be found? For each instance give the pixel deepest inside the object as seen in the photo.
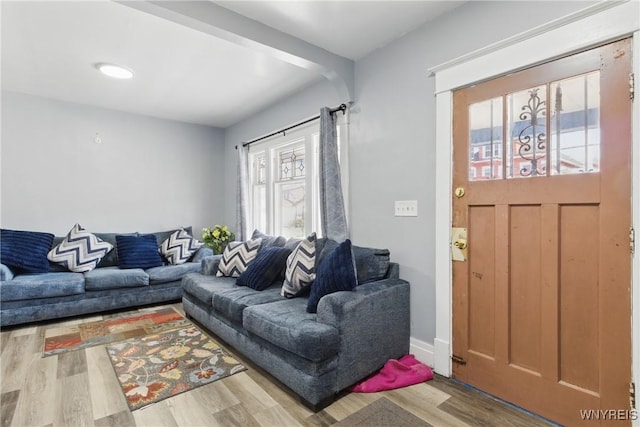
(217, 237)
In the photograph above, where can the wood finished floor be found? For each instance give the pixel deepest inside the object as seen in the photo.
(80, 389)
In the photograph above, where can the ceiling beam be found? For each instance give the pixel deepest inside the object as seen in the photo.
(210, 18)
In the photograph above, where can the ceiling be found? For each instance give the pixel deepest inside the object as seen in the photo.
(227, 61)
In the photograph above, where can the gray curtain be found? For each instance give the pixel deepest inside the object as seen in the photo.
(242, 199)
(333, 221)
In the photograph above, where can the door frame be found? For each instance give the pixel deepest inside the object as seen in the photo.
(578, 31)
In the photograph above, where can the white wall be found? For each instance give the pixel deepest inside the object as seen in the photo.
(147, 174)
(393, 134)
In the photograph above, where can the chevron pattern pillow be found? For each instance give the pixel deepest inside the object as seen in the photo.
(179, 247)
(80, 251)
(301, 271)
(237, 256)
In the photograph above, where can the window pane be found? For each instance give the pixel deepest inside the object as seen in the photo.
(575, 125)
(485, 140)
(292, 163)
(259, 207)
(526, 114)
(259, 170)
(290, 209)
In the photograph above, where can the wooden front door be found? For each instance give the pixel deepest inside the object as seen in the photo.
(541, 306)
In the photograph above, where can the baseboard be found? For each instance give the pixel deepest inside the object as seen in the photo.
(423, 351)
(442, 357)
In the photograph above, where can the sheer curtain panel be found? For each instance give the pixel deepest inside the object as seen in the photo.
(242, 199)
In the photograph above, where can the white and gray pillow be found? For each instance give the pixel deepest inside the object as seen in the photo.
(179, 247)
(80, 251)
(237, 256)
(301, 270)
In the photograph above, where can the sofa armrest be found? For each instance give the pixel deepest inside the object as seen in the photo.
(202, 253)
(5, 273)
(210, 265)
(374, 326)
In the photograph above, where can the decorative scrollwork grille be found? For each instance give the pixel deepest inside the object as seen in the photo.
(532, 139)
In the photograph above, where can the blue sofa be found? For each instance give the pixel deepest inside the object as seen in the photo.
(316, 355)
(59, 293)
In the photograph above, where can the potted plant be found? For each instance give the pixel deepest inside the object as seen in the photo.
(217, 237)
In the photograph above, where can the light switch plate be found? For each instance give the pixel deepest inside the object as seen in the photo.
(406, 208)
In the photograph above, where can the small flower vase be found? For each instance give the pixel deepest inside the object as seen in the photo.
(218, 248)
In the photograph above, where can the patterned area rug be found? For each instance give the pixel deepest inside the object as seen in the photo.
(159, 366)
(116, 328)
(382, 413)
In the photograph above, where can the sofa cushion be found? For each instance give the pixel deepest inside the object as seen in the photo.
(45, 285)
(231, 302)
(80, 251)
(267, 240)
(114, 277)
(110, 259)
(202, 287)
(138, 251)
(292, 243)
(237, 256)
(266, 268)
(335, 273)
(179, 247)
(25, 251)
(161, 236)
(171, 273)
(371, 264)
(301, 270)
(287, 325)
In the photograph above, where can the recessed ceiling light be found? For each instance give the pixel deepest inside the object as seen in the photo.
(115, 71)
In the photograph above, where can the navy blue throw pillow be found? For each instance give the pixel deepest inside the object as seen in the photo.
(26, 251)
(335, 273)
(138, 251)
(265, 269)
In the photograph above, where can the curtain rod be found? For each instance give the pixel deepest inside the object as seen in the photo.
(341, 107)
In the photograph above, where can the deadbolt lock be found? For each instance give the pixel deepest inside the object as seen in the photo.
(459, 192)
(460, 244)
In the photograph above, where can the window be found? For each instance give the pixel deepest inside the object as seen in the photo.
(555, 124)
(475, 154)
(497, 150)
(284, 183)
(487, 151)
(486, 171)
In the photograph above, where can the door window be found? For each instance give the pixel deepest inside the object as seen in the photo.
(555, 127)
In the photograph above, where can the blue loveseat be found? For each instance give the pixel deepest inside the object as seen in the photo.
(316, 355)
(59, 293)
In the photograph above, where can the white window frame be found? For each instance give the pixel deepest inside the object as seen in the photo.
(589, 27)
(308, 135)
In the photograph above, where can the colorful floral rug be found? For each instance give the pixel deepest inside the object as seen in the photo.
(114, 328)
(159, 366)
